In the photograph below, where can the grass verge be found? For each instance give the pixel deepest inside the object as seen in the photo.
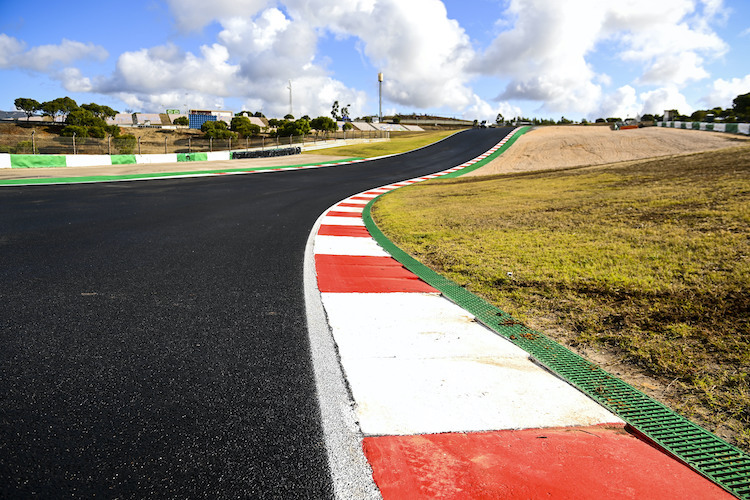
(399, 143)
(648, 261)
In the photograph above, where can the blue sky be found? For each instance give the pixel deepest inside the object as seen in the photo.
(464, 58)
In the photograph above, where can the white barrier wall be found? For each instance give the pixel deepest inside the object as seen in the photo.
(4, 160)
(87, 160)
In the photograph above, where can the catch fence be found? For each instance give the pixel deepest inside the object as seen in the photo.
(169, 143)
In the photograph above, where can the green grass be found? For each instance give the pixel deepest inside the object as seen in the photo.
(399, 143)
(649, 260)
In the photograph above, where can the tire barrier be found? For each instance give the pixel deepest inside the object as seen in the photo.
(266, 153)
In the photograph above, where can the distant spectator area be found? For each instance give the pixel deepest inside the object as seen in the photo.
(147, 119)
(122, 119)
(198, 117)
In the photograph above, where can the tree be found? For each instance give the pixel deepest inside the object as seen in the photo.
(647, 118)
(499, 119)
(335, 111)
(741, 106)
(244, 126)
(298, 127)
(600, 120)
(217, 130)
(60, 106)
(99, 110)
(85, 123)
(323, 124)
(345, 112)
(28, 106)
(182, 120)
(289, 116)
(275, 123)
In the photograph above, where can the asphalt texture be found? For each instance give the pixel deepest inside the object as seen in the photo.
(153, 339)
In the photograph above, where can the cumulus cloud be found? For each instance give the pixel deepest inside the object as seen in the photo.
(194, 15)
(13, 54)
(544, 53)
(724, 91)
(422, 52)
(656, 101)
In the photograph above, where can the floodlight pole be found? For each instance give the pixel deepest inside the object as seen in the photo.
(380, 97)
(290, 98)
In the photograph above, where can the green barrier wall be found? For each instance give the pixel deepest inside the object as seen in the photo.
(122, 159)
(192, 156)
(37, 161)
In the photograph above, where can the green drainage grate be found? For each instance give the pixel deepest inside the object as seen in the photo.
(707, 454)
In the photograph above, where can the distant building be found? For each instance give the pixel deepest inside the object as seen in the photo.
(197, 117)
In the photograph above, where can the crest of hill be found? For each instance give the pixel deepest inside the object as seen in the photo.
(561, 147)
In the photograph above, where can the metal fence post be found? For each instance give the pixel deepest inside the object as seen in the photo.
(109, 144)
(190, 139)
(33, 142)
(211, 144)
(139, 145)
(74, 143)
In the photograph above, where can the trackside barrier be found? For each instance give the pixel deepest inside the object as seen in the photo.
(730, 128)
(8, 160)
(267, 153)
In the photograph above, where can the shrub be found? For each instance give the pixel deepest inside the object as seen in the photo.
(125, 144)
(78, 130)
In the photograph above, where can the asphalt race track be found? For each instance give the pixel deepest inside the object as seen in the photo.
(153, 337)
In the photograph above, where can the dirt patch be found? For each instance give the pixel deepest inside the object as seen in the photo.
(560, 147)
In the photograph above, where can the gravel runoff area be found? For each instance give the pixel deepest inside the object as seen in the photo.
(546, 148)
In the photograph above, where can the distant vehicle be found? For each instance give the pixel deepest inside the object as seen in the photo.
(483, 124)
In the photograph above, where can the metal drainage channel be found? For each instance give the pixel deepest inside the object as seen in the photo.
(704, 452)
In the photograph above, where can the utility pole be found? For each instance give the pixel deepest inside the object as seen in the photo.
(290, 98)
(380, 97)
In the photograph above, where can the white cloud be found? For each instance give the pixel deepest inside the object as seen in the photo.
(656, 101)
(724, 91)
(482, 110)
(73, 81)
(422, 52)
(545, 52)
(167, 67)
(193, 15)
(622, 103)
(44, 57)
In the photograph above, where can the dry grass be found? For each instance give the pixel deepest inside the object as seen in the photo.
(649, 261)
(399, 143)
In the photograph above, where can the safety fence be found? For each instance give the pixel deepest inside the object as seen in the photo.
(168, 143)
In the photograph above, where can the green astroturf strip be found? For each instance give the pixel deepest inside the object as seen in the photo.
(494, 155)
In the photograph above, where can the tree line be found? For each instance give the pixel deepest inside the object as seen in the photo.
(241, 126)
(86, 120)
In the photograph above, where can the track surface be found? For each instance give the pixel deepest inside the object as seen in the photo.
(153, 337)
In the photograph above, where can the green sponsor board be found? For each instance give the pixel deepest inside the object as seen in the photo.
(37, 161)
(122, 159)
(192, 156)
